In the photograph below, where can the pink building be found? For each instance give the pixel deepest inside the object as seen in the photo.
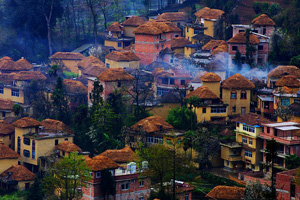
(152, 37)
(285, 185)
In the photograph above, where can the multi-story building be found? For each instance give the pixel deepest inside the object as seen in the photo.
(7, 135)
(122, 59)
(130, 24)
(88, 63)
(67, 60)
(8, 157)
(265, 105)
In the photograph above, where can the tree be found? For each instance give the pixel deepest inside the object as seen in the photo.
(92, 5)
(66, 176)
(104, 9)
(36, 191)
(295, 61)
(250, 49)
(257, 191)
(182, 118)
(292, 161)
(283, 113)
(107, 184)
(47, 7)
(18, 110)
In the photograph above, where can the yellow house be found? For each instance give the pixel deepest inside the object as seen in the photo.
(265, 105)
(123, 59)
(212, 81)
(280, 71)
(17, 177)
(33, 141)
(115, 37)
(66, 147)
(67, 60)
(130, 24)
(236, 91)
(7, 136)
(189, 50)
(7, 157)
(191, 30)
(209, 18)
(177, 18)
(208, 106)
(87, 63)
(178, 44)
(6, 107)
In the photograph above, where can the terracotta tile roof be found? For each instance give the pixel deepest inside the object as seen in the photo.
(155, 28)
(284, 90)
(67, 56)
(157, 64)
(94, 70)
(75, 87)
(226, 193)
(123, 56)
(115, 74)
(252, 119)
(18, 173)
(283, 70)
(202, 92)
(133, 21)
(24, 64)
(115, 27)
(289, 81)
(213, 44)
(173, 16)
(152, 124)
(68, 146)
(6, 128)
(179, 42)
(124, 155)
(7, 153)
(99, 163)
(130, 47)
(220, 49)
(210, 77)
(28, 75)
(263, 20)
(6, 104)
(197, 78)
(208, 13)
(240, 38)
(26, 122)
(237, 81)
(6, 63)
(89, 61)
(55, 125)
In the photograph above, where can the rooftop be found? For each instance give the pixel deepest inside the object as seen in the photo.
(134, 21)
(7, 153)
(6, 128)
(124, 155)
(123, 56)
(251, 119)
(179, 42)
(226, 193)
(115, 27)
(28, 75)
(74, 87)
(240, 38)
(263, 20)
(155, 28)
(213, 44)
(26, 122)
(281, 124)
(17, 173)
(90, 61)
(55, 125)
(152, 124)
(265, 97)
(6, 104)
(283, 70)
(173, 16)
(68, 146)
(208, 13)
(237, 81)
(202, 92)
(94, 70)
(24, 64)
(289, 81)
(99, 163)
(67, 56)
(210, 77)
(115, 74)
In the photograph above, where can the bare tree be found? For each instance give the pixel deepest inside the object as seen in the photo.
(48, 17)
(92, 5)
(104, 9)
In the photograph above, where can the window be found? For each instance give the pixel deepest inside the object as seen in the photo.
(248, 153)
(172, 81)
(119, 44)
(171, 60)
(158, 140)
(250, 141)
(203, 110)
(119, 84)
(243, 94)
(243, 110)
(268, 129)
(27, 186)
(15, 93)
(182, 82)
(125, 186)
(233, 95)
(3, 114)
(56, 142)
(1, 91)
(249, 128)
(168, 142)
(187, 30)
(241, 31)
(26, 153)
(66, 139)
(285, 102)
(218, 110)
(141, 198)
(179, 141)
(244, 140)
(260, 47)
(234, 48)
(234, 109)
(107, 65)
(26, 141)
(98, 174)
(63, 153)
(33, 149)
(141, 183)
(186, 197)
(165, 81)
(19, 145)
(149, 139)
(296, 101)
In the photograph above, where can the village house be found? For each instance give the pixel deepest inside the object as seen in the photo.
(67, 60)
(236, 92)
(195, 29)
(226, 193)
(8, 157)
(7, 136)
(279, 72)
(122, 59)
(66, 147)
(212, 81)
(294, 108)
(245, 152)
(16, 177)
(209, 18)
(7, 65)
(179, 19)
(75, 92)
(6, 107)
(34, 142)
(178, 44)
(88, 63)
(153, 37)
(286, 187)
(265, 105)
(286, 134)
(115, 37)
(130, 24)
(214, 45)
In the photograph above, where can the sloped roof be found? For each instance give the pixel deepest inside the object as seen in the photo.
(263, 20)
(240, 38)
(133, 21)
(6, 128)
(283, 70)
(220, 49)
(237, 81)
(123, 56)
(89, 61)
(179, 42)
(74, 87)
(18, 173)
(152, 124)
(289, 81)
(6, 63)
(28, 75)
(7, 153)
(6, 104)
(157, 64)
(212, 44)
(24, 64)
(99, 163)
(115, 74)
(155, 28)
(94, 70)
(26, 122)
(210, 77)
(55, 125)
(67, 56)
(197, 78)
(226, 193)
(284, 90)
(173, 16)
(208, 13)
(124, 155)
(252, 119)
(202, 92)
(68, 146)
(115, 27)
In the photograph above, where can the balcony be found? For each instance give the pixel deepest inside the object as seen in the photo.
(232, 145)
(289, 140)
(235, 158)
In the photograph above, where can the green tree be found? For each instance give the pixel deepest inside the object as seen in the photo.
(182, 118)
(295, 61)
(257, 191)
(107, 184)
(36, 192)
(66, 176)
(292, 161)
(18, 110)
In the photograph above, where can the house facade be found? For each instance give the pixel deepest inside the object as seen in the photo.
(123, 59)
(67, 60)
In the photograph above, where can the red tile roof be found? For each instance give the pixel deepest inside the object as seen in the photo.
(67, 56)
(179, 42)
(26, 122)
(202, 92)
(7, 153)
(18, 173)
(123, 56)
(289, 81)
(68, 146)
(208, 13)
(55, 125)
(283, 70)
(124, 155)
(6, 128)
(99, 163)
(152, 124)
(237, 81)
(6, 104)
(115, 74)
(155, 28)
(252, 119)
(75, 87)
(263, 20)
(90, 61)
(28, 75)
(115, 27)
(173, 16)
(240, 38)
(24, 64)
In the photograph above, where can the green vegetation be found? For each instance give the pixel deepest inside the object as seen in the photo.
(69, 75)
(182, 118)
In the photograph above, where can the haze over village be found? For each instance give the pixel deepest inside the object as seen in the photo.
(150, 99)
